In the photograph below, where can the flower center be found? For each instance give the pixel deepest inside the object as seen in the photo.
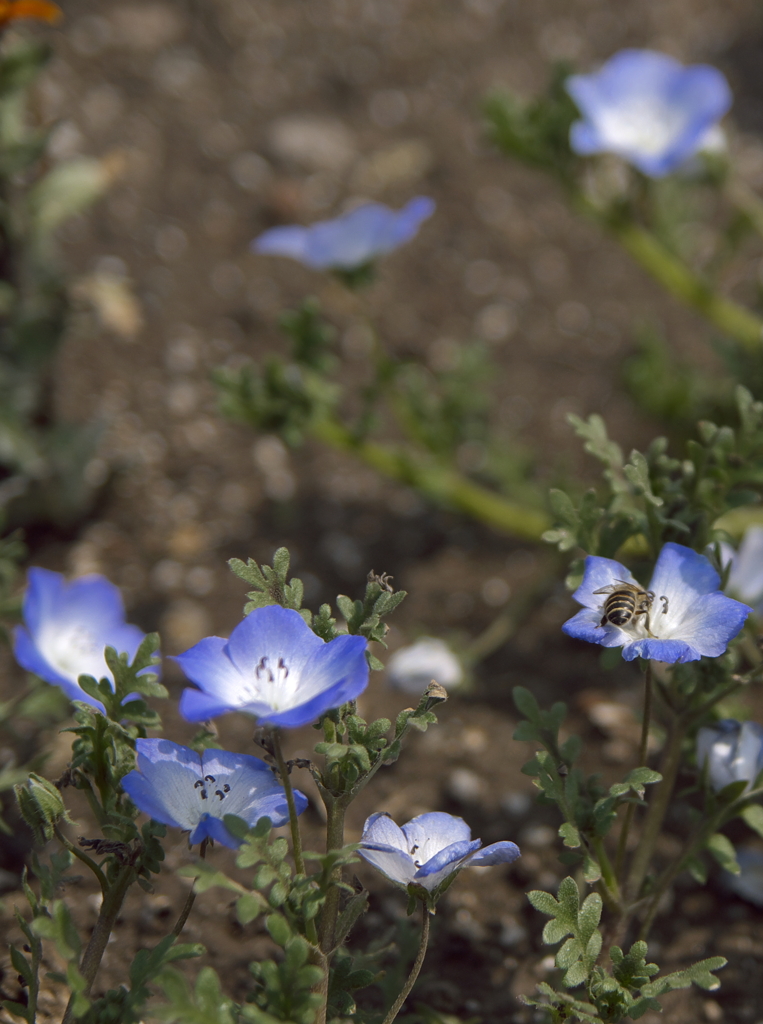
(208, 788)
(76, 652)
(267, 672)
(644, 124)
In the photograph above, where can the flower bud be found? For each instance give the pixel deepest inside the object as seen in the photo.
(41, 806)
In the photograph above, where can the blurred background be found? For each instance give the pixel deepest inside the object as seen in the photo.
(226, 117)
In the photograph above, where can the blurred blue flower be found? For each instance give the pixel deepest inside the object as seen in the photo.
(67, 627)
(428, 850)
(275, 668)
(350, 241)
(649, 109)
(746, 574)
(748, 884)
(688, 616)
(732, 751)
(179, 787)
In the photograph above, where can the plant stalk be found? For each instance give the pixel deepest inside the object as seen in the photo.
(398, 1003)
(296, 838)
(437, 482)
(336, 809)
(622, 844)
(91, 958)
(658, 807)
(681, 281)
(180, 923)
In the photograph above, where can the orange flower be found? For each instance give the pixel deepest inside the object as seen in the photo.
(40, 10)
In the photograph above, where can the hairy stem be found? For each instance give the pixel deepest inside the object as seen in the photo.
(658, 807)
(110, 907)
(283, 771)
(622, 845)
(398, 1003)
(336, 808)
(180, 923)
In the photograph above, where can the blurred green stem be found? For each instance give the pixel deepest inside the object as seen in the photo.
(622, 845)
(658, 807)
(180, 923)
(680, 280)
(439, 483)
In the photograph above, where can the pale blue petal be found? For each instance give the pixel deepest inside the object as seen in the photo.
(711, 623)
(27, 654)
(164, 782)
(435, 831)
(598, 573)
(746, 576)
(670, 651)
(499, 853)
(380, 828)
(348, 688)
(351, 240)
(208, 665)
(586, 625)
(683, 575)
(585, 139)
(395, 864)
(445, 862)
(288, 241)
(272, 633)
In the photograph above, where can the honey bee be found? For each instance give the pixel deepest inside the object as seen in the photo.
(626, 602)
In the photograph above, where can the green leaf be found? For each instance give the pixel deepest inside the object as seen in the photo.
(722, 849)
(526, 703)
(753, 816)
(570, 834)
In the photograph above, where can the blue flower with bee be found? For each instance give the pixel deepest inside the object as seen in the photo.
(683, 616)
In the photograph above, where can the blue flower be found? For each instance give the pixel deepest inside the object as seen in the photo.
(350, 241)
(688, 616)
(179, 787)
(732, 751)
(428, 850)
(647, 108)
(746, 573)
(67, 628)
(275, 668)
(748, 884)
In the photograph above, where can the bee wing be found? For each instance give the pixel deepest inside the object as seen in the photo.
(610, 589)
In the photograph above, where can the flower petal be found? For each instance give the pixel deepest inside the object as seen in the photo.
(498, 853)
(380, 828)
(445, 862)
(598, 573)
(290, 240)
(163, 784)
(670, 651)
(433, 832)
(586, 625)
(682, 575)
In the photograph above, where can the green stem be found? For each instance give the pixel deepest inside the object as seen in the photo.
(80, 855)
(180, 923)
(681, 281)
(296, 838)
(608, 876)
(398, 1003)
(91, 958)
(658, 807)
(622, 845)
(743, 197)
(437, 482)
(336, 808)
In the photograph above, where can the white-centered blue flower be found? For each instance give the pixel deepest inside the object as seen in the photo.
(351, 241)
(746, 575)
(732, 751)
(428, 849)
(412, 668)
(649, 109)
(275, 668)
(192, 791)
(68, 626)
(688, 616)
